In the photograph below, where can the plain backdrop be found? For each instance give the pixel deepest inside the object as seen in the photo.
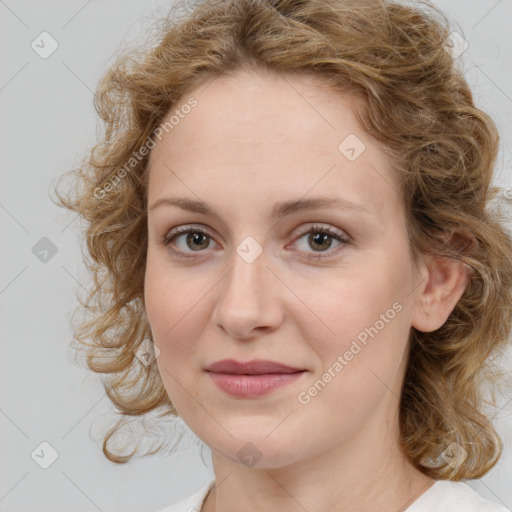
(47, 122)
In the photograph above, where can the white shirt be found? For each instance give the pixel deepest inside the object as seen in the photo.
(443, 496)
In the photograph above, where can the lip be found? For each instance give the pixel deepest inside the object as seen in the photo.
(253, 378)
(254, 367)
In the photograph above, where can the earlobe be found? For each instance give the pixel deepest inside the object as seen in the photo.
(446, 281)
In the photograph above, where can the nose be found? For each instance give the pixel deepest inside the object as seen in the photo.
(249, 300)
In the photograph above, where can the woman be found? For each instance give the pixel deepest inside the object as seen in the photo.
(292, 202)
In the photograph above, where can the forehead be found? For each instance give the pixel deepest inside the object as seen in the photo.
(270, 136)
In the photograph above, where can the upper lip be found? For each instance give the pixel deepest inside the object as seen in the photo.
(254, 367)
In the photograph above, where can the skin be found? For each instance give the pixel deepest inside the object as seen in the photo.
(254, 140)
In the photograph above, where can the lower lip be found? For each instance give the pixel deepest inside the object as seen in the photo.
(252, 385)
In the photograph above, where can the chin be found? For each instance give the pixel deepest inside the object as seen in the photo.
(255, 452)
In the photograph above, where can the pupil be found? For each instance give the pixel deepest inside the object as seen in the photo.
(196, 237)
(320, 238)
(317, 238)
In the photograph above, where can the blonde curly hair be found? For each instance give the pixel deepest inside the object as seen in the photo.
(416, 102)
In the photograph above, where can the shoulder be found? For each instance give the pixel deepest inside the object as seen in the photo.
(191, 503)
(450, 496)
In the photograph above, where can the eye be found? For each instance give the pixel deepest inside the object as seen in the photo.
(320, 239)
(197, 239)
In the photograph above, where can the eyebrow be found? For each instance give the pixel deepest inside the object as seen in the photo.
(280, 210)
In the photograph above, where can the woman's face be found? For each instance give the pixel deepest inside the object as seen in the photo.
(338, 306)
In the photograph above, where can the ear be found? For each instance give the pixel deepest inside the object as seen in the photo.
(445, 283)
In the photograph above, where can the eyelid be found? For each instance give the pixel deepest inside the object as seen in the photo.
(178, 230)
(335, 233)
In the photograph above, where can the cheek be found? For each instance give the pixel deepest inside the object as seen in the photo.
(361, 362)
(362, 326)
(172, 308)
(173, 304)
(345, 307)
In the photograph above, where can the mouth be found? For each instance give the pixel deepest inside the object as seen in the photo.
(253, 378)
(254, 367)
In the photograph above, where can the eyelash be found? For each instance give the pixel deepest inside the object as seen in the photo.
(175, 233)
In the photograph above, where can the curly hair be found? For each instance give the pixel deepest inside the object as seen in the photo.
(415, 102)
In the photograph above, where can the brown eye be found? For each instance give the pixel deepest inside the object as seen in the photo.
(195, 240)
(320, 240)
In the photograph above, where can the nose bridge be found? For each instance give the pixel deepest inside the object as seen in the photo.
(248, 274)
(247, 298)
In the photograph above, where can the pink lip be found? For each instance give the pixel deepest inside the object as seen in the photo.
(255, 367)
(253, 378)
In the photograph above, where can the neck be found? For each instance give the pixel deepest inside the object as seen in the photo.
(360, 476)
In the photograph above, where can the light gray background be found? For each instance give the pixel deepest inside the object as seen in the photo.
(47, 124)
